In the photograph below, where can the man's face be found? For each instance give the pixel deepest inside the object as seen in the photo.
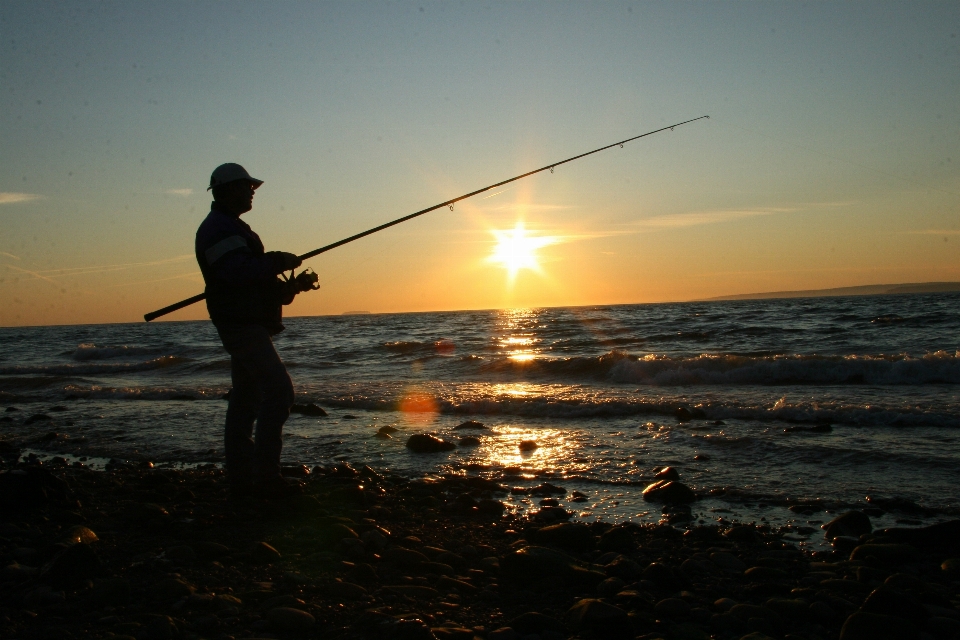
(237, 196)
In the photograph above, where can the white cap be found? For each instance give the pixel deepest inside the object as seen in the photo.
(231, 172)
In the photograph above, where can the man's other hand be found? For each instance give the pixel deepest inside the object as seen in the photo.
(287, 261)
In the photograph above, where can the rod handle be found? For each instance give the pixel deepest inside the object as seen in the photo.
(153, 315)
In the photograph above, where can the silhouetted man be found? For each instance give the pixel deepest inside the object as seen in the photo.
(244, 298)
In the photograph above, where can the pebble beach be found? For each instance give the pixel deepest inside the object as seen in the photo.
(147, 552)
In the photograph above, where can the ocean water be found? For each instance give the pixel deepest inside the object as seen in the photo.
(598, 388)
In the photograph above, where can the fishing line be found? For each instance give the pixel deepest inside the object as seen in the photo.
(449, 203)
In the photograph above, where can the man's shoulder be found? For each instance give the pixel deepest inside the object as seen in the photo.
(217, 223)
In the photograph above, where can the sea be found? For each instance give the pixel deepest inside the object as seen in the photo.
(783, 412)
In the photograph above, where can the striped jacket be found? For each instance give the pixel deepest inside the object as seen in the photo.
(242, 285)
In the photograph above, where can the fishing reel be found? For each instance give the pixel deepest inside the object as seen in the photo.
(306, 280)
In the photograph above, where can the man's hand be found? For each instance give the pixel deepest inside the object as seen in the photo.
(304, 281)
(287, 261)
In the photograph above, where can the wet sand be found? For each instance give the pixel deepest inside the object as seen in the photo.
(154, 553)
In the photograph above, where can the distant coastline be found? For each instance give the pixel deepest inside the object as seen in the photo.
(863, 290)
(355, 313)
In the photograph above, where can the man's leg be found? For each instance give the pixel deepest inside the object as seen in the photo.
(277, 390)
(253, 351)
(241, 412)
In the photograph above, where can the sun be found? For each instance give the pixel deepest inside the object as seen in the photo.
(517, 250)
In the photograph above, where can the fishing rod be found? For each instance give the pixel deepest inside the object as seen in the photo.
(153, 315)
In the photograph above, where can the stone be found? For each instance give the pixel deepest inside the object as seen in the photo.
(728, 562)
(594, 615)
(873, 626)
(80, 535)
(308, 410)
(470, 424)
(667, 473)
(111, 592)
(943, 627)
(765, 574)
(528, 445)
(662, 576)
(670, 492)
(290, 619)
(404, 557)
(181, 554)
(951, 567)
(886, 554)
(672, 608)
(567, 535)
(940, 535)
(788, 608)
(469, 441)
(210, 550)
(171, 589)
(504, 633)
(618, 538)
(610, 587)
(851, 523)
(546, 489)
(624, 568)
(741, 533)
(451, 585)
(71, 567)
(534, 622)
(687, 631)
(535, 564)
(263, 553)
(893, 602)
(426, 443)
(724, 604)
(158, 628)
(23, 489)
(756, 635)
(418, 592)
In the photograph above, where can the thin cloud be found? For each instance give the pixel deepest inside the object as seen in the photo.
(697, 218)
(934, 232)
(179, 192)
(9, 255)
(48, 274)
(524, 208)
(9, 197)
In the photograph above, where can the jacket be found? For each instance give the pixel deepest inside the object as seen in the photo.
(241, 279)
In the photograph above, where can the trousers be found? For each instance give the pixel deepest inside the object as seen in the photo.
(262, 392)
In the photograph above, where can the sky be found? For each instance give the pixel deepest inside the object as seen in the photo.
(830, 158)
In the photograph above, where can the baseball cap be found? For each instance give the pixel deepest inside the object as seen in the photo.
(231, 172)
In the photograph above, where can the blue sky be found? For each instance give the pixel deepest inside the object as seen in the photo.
(830, 158)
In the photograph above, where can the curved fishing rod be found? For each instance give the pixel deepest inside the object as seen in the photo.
(153, 315)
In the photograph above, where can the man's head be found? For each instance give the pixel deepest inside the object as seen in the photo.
(233, 188)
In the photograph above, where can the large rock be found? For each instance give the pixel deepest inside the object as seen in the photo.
(426, 443)
(113, 592)
(619, 538)
(71, 567)
(851, 523)
(873, 626)
(893, 602)
(886, 554)
(22, 489)
(534, 622)
(595, 615)
(662, 576)
(670, 492)
(470, 424)
(290, 619)
(535, 564)
(567, 535)
(940, 535)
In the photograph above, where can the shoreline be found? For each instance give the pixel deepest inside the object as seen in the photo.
(147, 553)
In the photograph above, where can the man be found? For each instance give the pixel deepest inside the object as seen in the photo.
(244, 298)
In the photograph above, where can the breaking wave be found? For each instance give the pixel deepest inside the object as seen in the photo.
(89, 351)
(940, 367)
(94, 368)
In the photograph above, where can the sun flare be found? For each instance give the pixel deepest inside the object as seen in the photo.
(516, 249)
